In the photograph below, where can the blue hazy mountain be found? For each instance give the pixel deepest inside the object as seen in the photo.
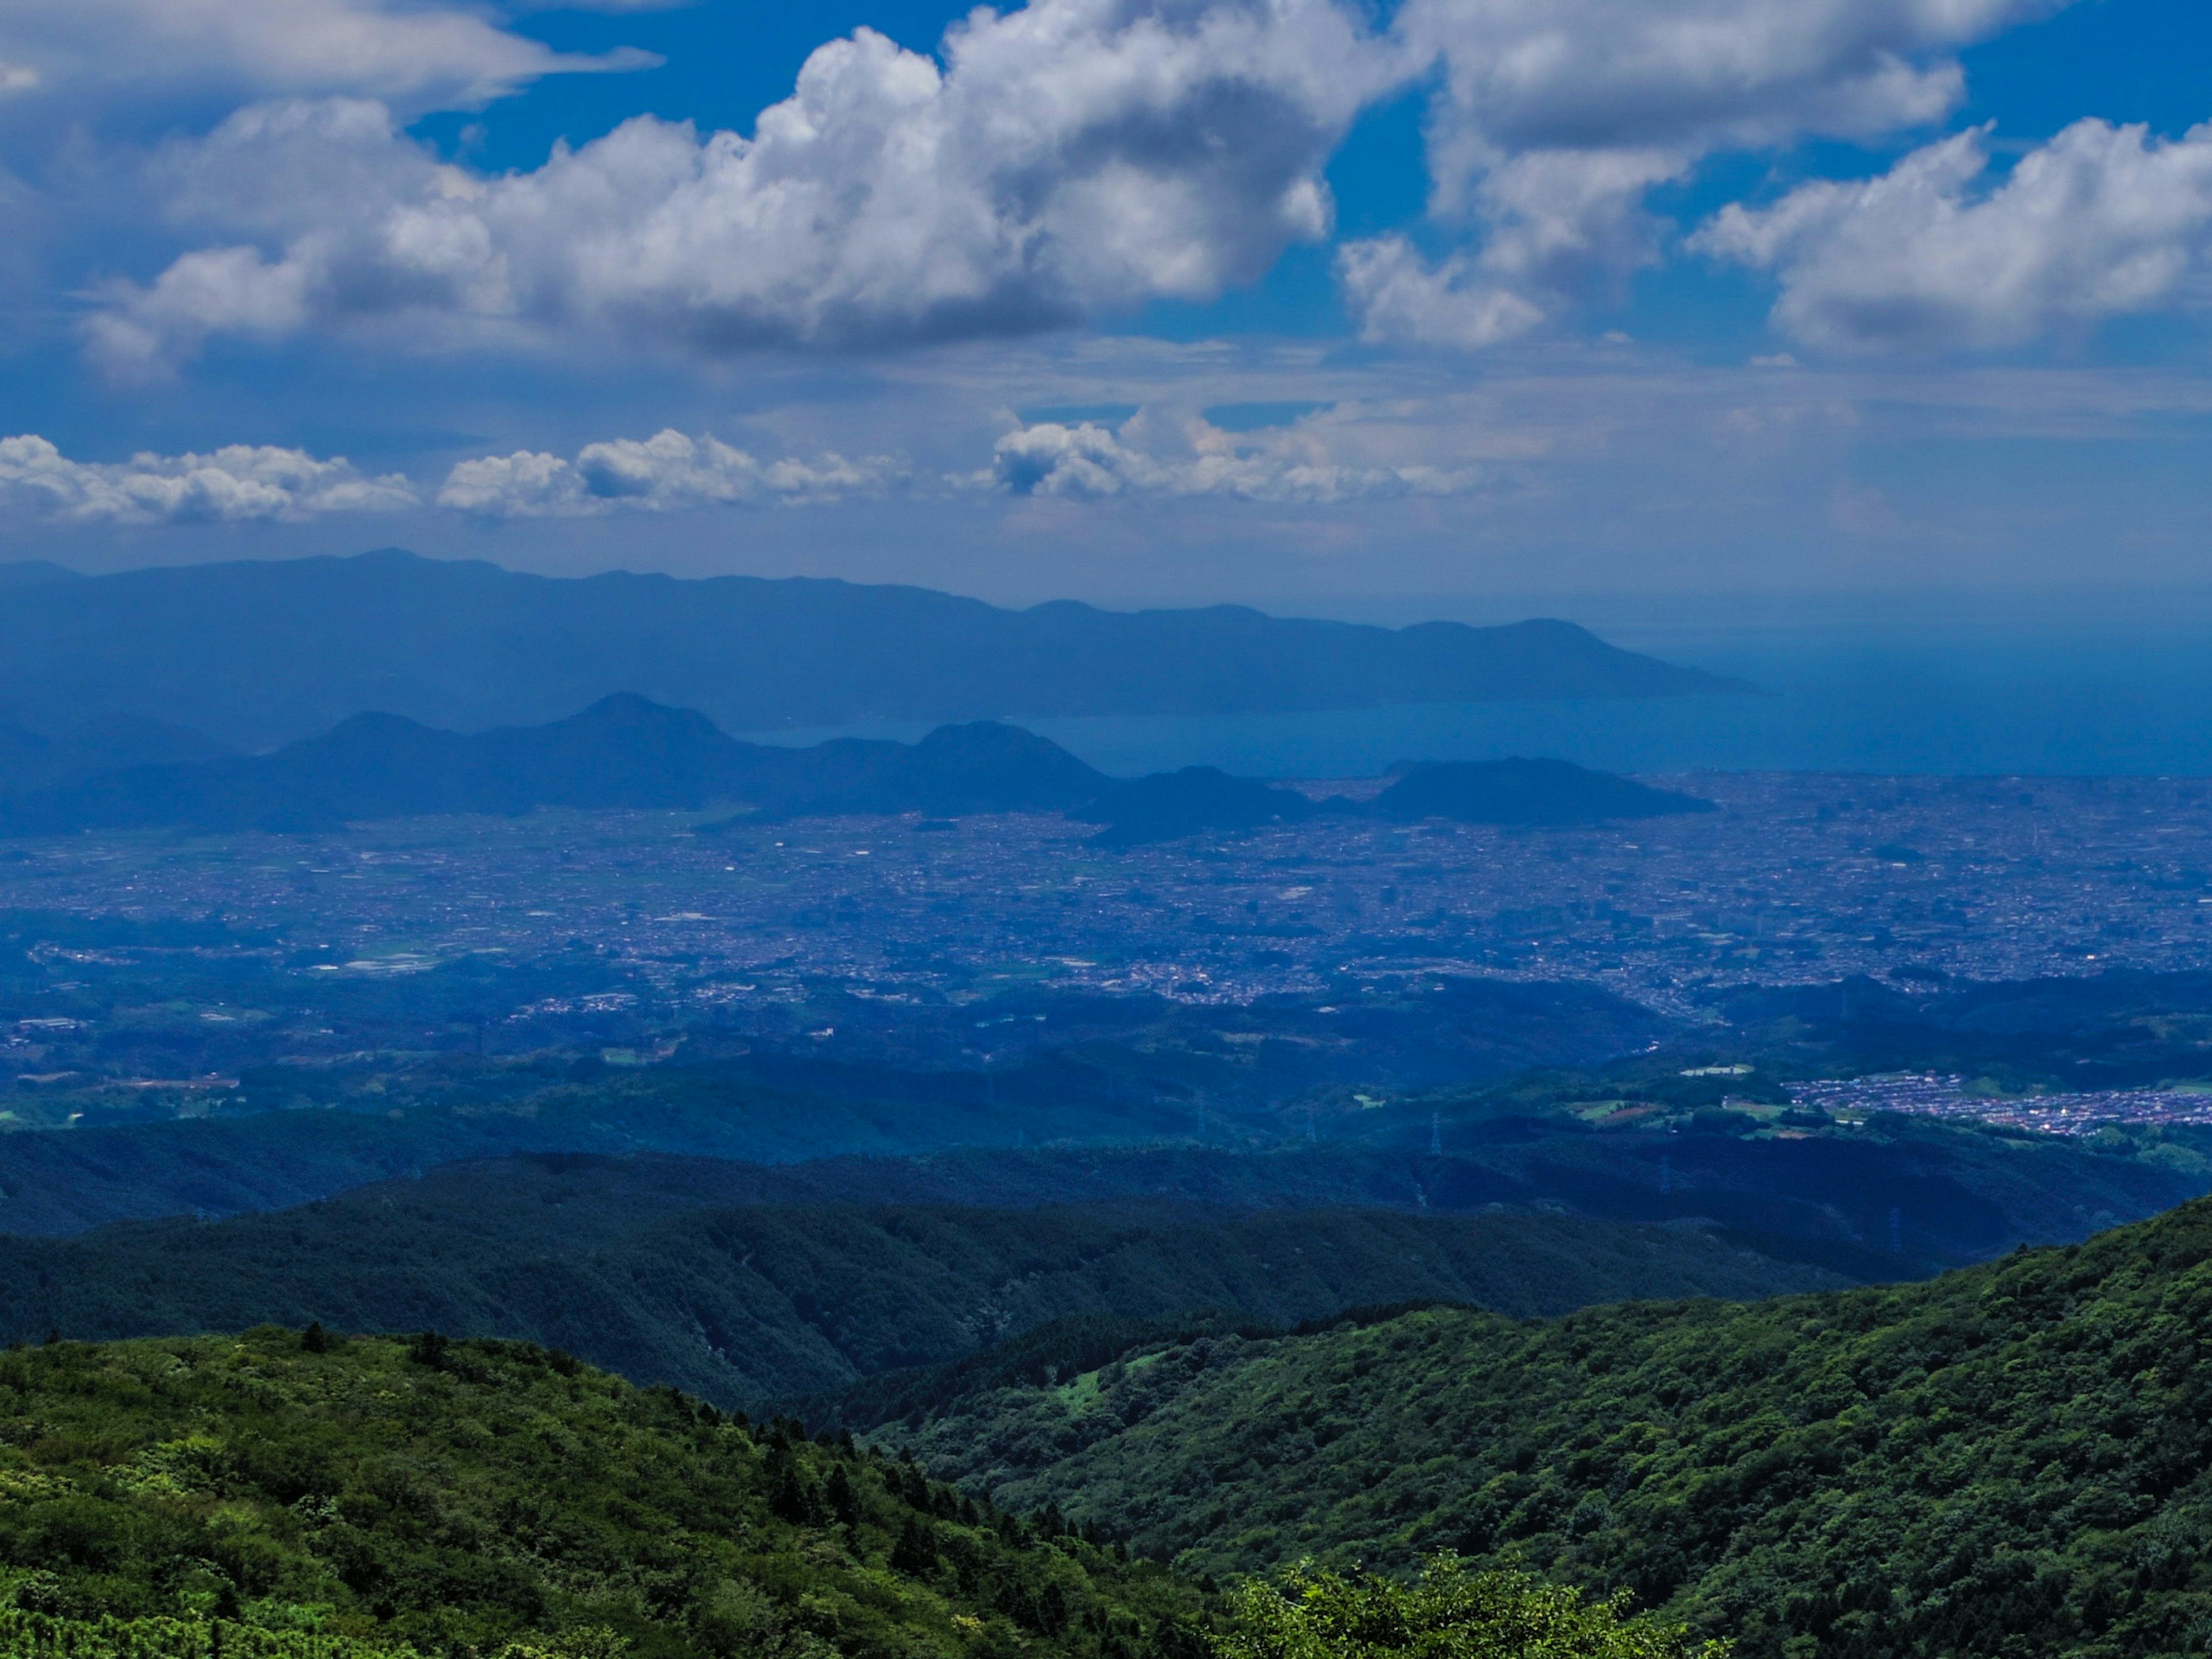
(1536, 792)
(263, 652)
(624, 752)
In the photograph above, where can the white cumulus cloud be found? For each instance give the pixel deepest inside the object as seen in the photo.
(1150, 456)
(1534, 76)
(665, 472)
(1557, 118)
(1069, 157)
(2100, 222)
(238, 481)
(1056, 160)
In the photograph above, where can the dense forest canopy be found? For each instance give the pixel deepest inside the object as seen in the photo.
(2015, 1458)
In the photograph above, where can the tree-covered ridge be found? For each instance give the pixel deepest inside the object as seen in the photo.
(2013, 1459)
(257, 1496)
(736, 1305)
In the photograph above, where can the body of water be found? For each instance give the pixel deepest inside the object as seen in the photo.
(1911, 699)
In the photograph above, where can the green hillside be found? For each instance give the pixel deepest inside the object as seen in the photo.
(623, 1265)
(2012, 1458)
(253, 1497)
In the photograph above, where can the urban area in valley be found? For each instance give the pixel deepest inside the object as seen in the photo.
(632, 930)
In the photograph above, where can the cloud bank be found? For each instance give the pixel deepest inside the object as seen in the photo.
(663, 473)
(99, 52)
(1147, 455)
(2100, 222)
(237, 482)
(1316, 461)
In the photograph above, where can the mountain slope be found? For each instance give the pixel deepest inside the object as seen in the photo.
(740, 1305)
(448, 1498)
(2012, 1458)
(260, 654)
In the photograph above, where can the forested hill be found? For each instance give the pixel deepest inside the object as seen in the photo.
(261, 653)
(739, 1304)
(2012, 1458)
(383, 1499)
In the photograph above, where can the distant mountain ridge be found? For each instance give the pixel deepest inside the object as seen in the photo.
(261, 653)
(627, 753)
(624, 752)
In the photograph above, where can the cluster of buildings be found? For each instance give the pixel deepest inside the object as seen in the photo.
(1927, 1095)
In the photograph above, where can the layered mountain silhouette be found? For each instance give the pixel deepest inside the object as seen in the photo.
(627, 752)
(262, 653)
(624, 752)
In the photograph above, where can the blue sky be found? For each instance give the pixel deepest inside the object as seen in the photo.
(1311, 303)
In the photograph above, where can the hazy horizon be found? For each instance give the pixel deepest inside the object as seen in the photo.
(1645, 616)
(2109, 683)
(1425, 306)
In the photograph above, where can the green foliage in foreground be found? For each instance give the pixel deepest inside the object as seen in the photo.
(280, 1498)
(2014, 1459)
(1449, 1613)
(45, 1636)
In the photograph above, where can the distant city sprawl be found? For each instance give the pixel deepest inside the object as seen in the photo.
(1799, 879)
